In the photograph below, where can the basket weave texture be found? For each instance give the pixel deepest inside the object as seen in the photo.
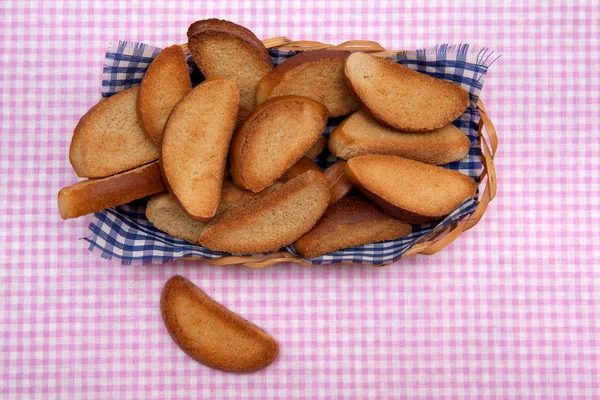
(430, 244)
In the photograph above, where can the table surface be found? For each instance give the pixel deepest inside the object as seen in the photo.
(509, 310)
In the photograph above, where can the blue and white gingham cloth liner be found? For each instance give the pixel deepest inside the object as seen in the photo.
(126, 234)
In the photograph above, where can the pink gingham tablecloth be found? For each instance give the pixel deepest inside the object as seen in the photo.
(510, 310)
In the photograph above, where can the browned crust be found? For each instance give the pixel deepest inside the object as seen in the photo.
(241, 215)
(225, 29)
(340, 134)
(168, 187)
(316, 148)
(173, 59)
(388, 207)
(339, 185)
(221, 27)
(93, 195)
(304, 164)
(165, 175)
(213, 23)
(342, 146)
(344, 217)
(75, 149)
(268, 82)
(391, 208)
(406, 71)
(210, 355)
(75, 157)
(240, 138)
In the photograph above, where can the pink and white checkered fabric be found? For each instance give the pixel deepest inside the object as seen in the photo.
(510, 310)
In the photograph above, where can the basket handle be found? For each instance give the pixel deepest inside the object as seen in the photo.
(283, 43)
(254, 261)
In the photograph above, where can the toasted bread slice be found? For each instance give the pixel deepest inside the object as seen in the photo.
(318, 74)
(195, 143)
(93, 195)
(165, 83)
(359, 134)
(410, 190)
(215, 23)
(316, 148)
(272, 221)
(224, 49)
(339, 185)
(232, 196)
(109, 138)
(166, 214)
(304, 164)
(350, 222)
(275, 135)
(402, 98)
(212, 334)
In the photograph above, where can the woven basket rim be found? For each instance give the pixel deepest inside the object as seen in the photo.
(428, 245)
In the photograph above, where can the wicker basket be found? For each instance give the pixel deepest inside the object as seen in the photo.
(428, 245)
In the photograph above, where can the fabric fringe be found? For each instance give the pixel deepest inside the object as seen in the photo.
(484, 56)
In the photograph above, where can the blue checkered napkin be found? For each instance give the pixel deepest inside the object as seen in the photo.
(126, 234)
(125, 65)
